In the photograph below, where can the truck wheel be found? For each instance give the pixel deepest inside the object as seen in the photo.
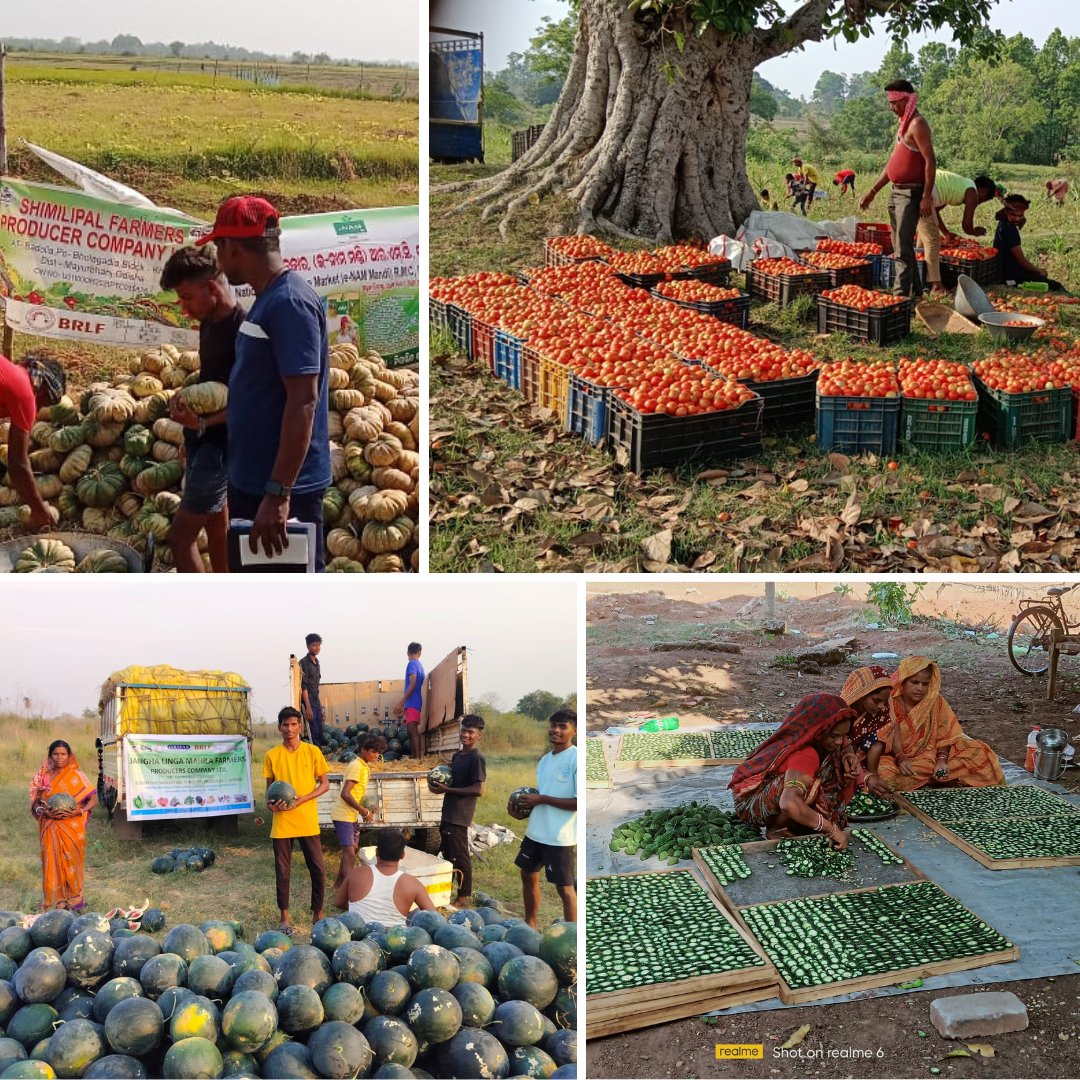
(426, 840)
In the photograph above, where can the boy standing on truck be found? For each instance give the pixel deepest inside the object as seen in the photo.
(468, 773)
(304, 767)
(310, 677)
(349, 807)
(412, 700)
(551, 833)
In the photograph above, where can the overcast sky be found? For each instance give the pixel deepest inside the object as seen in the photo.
(507, 26)
(61, 637)
(360, 29)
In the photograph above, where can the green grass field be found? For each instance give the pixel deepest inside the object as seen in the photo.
(779, 511)
(240, 885)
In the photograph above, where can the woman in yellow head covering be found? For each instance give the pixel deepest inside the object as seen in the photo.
(928, 744)
(867, 690)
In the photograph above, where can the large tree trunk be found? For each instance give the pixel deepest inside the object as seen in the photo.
(647, 140)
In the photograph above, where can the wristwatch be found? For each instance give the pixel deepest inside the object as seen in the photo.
(278, 491)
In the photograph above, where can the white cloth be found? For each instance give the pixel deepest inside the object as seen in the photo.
(770, 234)
(378, 906)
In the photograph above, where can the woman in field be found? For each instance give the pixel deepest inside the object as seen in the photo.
(796, 782)
(62, 832)
(929, 745)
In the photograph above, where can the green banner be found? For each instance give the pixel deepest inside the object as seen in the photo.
(177, 776)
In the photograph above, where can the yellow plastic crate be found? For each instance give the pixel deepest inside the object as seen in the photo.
(554, 382)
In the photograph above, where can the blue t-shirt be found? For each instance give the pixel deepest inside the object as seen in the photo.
(284, 335)
(415, 699)
(556, 775)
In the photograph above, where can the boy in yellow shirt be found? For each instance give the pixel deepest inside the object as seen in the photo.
(349, 807)
(304, 767)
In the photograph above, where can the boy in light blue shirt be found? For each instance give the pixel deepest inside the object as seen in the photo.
(551, 836)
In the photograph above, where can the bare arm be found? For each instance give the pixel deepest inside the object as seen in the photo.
(530, 801)
(920, 132)
(410, 686)
(971, 201)
(341, 896)
(22, 477)
(474, 789)
(420, 896)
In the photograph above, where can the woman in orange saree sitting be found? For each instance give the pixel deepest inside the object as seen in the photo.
(795, 782)
(62, 831)
(927, 743)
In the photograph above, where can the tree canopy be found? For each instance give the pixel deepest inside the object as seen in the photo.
(540, 704)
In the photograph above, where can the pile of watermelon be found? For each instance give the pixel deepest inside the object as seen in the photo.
(343, 744)
(197, 859)
(475, 995)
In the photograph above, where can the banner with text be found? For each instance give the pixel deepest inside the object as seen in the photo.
(181, 776)
(76, 266)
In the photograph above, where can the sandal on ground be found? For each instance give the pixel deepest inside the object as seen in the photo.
(288, 929)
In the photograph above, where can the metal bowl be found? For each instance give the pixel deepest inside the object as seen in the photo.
(81, 543)
(971, 301)
(994, 322)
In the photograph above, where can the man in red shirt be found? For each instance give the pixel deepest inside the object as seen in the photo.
(25, 388)
(845, 181)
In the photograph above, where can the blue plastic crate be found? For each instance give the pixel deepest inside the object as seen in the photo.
(508, 358)
(588, 409)
(858, 425)
(886, 272)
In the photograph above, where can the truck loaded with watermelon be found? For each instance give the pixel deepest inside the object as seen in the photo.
(475, 995)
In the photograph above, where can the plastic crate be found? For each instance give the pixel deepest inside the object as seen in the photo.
(874, 233)
(643, 281)
(554, 379)
(852, 275)
(858, 425)
(787, 401)
(981, 271)
(711, 274)
(459, 322)
(588, 408)
(508, 359)
(483, 343)
(657, 441)
(1075, 422)
(735, 311)
(530, 373)
(936, 426)
(437, 316)
(886, 272)
(1012, 419)
(783, 288)
(878, 326)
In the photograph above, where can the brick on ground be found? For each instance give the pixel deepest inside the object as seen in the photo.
(991, 1013)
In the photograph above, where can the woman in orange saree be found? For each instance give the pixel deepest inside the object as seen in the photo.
(62, 831)
(933, 747)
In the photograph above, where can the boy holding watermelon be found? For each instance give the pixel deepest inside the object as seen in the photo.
(350, 806)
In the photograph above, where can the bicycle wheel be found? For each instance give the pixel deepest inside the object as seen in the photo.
(1030, 636)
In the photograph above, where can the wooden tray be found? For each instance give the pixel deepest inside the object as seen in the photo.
(981, 857)
(605, 785)
(663, 763)
(657, 1003)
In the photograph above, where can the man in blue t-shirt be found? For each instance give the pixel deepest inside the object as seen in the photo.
(410, 704)
(278, 412)
(551, 835)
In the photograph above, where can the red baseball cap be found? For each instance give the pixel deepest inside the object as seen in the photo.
(243, 217)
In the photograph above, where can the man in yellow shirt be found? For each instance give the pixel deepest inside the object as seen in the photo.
(304, 767)
(810, 179)
(349, 807)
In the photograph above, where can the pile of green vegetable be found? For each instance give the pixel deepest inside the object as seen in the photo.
(812, 857)
(197, 859)
(656, 928)
(990, 803)
(596, 769)
(738, 744)
(726, 863)
(665, 746)
(876, 846)
(865, 805)
(1040, 838)
(830, 939)
(671, 834)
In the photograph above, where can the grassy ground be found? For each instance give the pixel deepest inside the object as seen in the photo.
(790, 508)
(240, 884)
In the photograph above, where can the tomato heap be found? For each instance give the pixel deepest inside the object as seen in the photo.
(579, 247)
(637, 263)
(853, 378)
(696, 292)
(677, 257)
(855, 296)
(1020, 373)
(680, 390)
(969, 254)
(458, 290)
(936, 380)
(845, 247)
(827, 260)
(761, 361)
(782, 267)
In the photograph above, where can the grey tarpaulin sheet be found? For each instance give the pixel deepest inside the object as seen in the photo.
(1033, 908)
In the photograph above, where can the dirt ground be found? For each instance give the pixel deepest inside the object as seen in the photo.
(965, 633)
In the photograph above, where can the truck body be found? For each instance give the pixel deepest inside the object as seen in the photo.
(404, 799)
(456, 96)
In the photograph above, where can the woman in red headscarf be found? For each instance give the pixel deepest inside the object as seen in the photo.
(62, 832)
(796, 781)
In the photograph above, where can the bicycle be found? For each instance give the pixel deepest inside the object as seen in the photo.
(1033, 628)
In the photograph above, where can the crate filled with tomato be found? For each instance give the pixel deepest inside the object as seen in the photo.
(981, 264)
(858, 407)
(867, 232)
(780, 281)
(1023, 397)
(864, 314)
(842, 269)
(939, 405)
(450, 300)
(567, 250)
(687, 262)
(641, 269)
(682, 413)
(728, 305)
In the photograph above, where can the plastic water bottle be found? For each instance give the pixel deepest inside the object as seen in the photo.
(1032, 749)
(668, 723)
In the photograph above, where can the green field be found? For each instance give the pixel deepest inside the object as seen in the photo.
(240, 885)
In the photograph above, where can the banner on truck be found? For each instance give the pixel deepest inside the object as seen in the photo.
(73, 265)
(181, 776)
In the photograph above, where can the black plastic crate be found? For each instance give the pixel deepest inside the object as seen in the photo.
(642, 281)
(787, 401)
(588, 408)
(657, 441)
(735, 311)
(459, 323)
(851, 275)
(437, 316)
(782, 289)
(710, 274)
(981, 271)
(1012, 419)
(937, 426)
(858, 425)
(878, 326)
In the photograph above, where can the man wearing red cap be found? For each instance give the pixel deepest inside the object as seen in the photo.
(278, 412)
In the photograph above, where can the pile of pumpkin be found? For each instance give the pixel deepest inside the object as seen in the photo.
(108, 463)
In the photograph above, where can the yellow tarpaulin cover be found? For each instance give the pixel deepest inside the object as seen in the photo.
(163, 700)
